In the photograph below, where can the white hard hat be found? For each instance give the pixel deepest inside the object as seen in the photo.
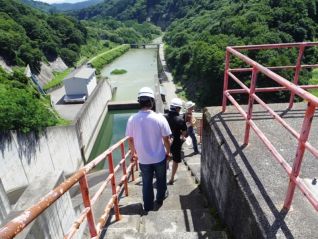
(189, 104)
(147, 92)
(176, 102)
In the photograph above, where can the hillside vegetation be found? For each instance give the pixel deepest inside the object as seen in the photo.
(22, 108)
(198, 32)
(196, 43)
(29, 36)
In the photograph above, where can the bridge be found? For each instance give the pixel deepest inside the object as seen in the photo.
(261, 184)
(145, 45)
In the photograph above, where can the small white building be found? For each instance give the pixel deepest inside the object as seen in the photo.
(79, 84)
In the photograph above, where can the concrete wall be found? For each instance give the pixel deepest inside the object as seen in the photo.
(222, 182)
(89, 118)
(161, 64)
(23, 157)
(56, 220)
(91, 84)
(5, 207)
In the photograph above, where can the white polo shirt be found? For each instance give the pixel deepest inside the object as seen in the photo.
(147, 129)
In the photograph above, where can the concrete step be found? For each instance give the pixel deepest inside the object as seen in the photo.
(178, 221)
(165, 235)
(173, 202)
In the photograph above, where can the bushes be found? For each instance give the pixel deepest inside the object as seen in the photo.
(22, 108)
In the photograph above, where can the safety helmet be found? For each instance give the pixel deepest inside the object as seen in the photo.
(176, 102)
(146, 92)
(189, 104)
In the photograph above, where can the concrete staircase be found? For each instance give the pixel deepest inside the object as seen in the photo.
(184, 214)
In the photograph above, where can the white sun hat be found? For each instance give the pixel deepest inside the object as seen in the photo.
(189, 104)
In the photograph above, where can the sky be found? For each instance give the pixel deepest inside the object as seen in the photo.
(60, 1)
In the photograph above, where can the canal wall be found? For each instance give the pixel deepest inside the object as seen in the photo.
(90, 117)
(221, 181)
(5, 207)
(59, 148)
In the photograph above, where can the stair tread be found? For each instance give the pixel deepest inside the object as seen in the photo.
(178, 221)
(128, 234)
(173, 202)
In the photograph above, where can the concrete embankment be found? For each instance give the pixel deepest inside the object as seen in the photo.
(59, 148)
(246, 184)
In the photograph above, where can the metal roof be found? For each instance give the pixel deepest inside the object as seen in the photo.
(83, 73)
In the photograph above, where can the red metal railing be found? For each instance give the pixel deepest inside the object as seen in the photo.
(16, 225)
(302, 137)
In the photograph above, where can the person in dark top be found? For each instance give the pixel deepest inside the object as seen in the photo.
(179, 131)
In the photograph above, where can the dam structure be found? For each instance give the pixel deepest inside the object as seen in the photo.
(255, 176)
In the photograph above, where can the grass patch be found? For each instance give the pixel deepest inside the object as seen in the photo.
(314, 81)
(118, 72)
(107, 57)
(58, 79)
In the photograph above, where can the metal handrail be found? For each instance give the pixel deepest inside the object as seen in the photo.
(15, 226)
(302, 137)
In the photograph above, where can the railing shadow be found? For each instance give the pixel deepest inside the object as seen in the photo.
(279, 214)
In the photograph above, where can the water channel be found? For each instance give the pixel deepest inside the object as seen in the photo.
(141, 67)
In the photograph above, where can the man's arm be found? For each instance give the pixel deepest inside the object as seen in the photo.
(132, 146)
(166, 141)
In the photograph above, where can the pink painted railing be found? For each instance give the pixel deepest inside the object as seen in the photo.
(295, 89)
(15, 226)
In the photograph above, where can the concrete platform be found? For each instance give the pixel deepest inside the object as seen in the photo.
(123, 105)
(249, 186)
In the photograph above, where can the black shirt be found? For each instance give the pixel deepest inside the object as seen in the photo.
(177, 125)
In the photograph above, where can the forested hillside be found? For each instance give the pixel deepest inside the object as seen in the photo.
(60, 7)
(198, 32)
(196, 43)
(27, 35)
(160, 12)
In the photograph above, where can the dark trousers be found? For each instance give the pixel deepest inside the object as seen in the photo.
(148, 171)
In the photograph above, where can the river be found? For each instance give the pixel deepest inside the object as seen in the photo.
(141, 67)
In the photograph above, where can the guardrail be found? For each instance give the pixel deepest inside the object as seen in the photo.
(15, 226)
(295, 89)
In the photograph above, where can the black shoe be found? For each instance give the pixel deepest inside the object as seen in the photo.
(159, 203)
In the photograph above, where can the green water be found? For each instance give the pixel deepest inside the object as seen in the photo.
(112, 130)
(141, 67)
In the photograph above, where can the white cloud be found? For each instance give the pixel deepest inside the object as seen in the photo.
(60, 1)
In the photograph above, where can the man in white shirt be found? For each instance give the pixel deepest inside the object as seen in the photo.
(149, 140)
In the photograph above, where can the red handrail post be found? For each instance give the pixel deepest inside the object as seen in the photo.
(123, 156)
(250, 105)
(87, 203)
(305, 130)
(296, 76)
(113, 180)
(226, 79)
(201, 130)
